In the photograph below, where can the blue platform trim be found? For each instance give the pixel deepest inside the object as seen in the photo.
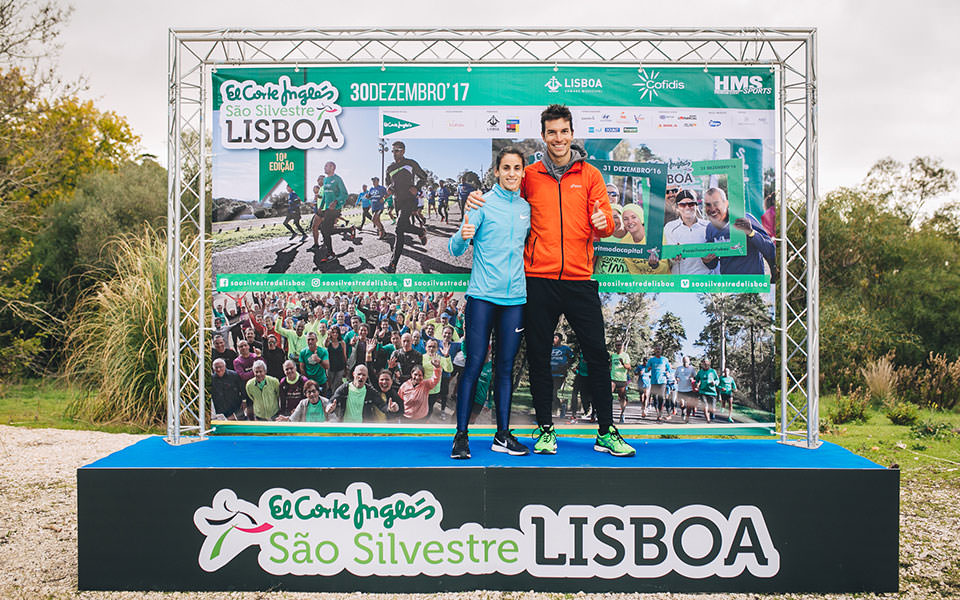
(246, 452)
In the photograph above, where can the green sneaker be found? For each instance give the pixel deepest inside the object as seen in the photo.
(613, 443)
(546, 440)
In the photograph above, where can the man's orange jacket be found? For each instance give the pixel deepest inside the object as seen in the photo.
(560, 245)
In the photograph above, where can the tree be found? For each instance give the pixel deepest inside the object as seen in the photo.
(908, 188)
(49, 139)
(669, 335)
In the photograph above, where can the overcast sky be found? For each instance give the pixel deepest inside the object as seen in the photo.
(889, 80)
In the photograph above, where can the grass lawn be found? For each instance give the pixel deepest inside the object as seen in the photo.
(45, 403)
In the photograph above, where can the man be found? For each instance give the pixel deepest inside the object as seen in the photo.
(227, 393)
(759, 245)
(220, 350)
(314, 361)
(404, 178)
(560, 358)
(334, 198)
(376, 195)
(569, 207)
(407, 357)
(296, 339)
(670, 203)
(659, 366)
(292, 390)
(264, 393)
(293, 214)
(688, 229)
(365, 206)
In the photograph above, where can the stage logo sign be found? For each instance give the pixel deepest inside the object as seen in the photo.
(305, 533)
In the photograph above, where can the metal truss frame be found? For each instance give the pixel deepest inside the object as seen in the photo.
(790, 52)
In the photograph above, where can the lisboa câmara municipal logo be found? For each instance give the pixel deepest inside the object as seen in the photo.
(650, 84)
(553, 84)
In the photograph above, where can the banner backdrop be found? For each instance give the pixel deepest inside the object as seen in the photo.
(651, 132)
(688, 159)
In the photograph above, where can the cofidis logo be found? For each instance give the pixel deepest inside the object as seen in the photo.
(650, 84)
(279, 115)
(306, 533)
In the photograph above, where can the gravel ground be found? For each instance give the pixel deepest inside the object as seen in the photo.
(38, 534)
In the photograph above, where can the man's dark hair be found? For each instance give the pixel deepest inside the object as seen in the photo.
(555, 111)
(399, 144)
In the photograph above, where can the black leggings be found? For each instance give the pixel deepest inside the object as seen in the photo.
(482, 318)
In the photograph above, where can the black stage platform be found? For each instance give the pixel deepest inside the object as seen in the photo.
(396, 514)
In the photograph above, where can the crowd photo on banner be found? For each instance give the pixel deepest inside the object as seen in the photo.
(406, 352)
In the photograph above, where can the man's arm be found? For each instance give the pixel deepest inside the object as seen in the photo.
(419, 176)
(598, 203)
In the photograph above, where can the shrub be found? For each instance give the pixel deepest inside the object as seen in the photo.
(880, 377)
(901, 413)
(931, 429)
(935, 384)
(118, 338)
(850, 408)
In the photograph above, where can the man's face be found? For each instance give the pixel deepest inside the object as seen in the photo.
(686, 361)
(613, 194)
(397, 152)
(385, 382)
(312, 341)
(248, 335)
(300, 327)
(447, 334)
(416, 337)
(220, 368)
(428, 330)
(329, 168)
(657, 351)
(407, 342)
(715, 206)
(558, 135)
(705, 364)
(354, 322)
(218, 344)
(375, 181)
(259, 372)
(395, 339)
(243, 347)
(556, 340)
(359, 376)
(431, 347)
(289, 370)
(672, 191)
(271, 343)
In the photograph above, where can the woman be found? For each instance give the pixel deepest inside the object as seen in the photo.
(637, 234)
(337, 351)
(446, 367)
(313, 408)
(495, 297)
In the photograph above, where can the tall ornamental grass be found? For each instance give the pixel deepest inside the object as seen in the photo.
(880, 376)
(117, 339)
